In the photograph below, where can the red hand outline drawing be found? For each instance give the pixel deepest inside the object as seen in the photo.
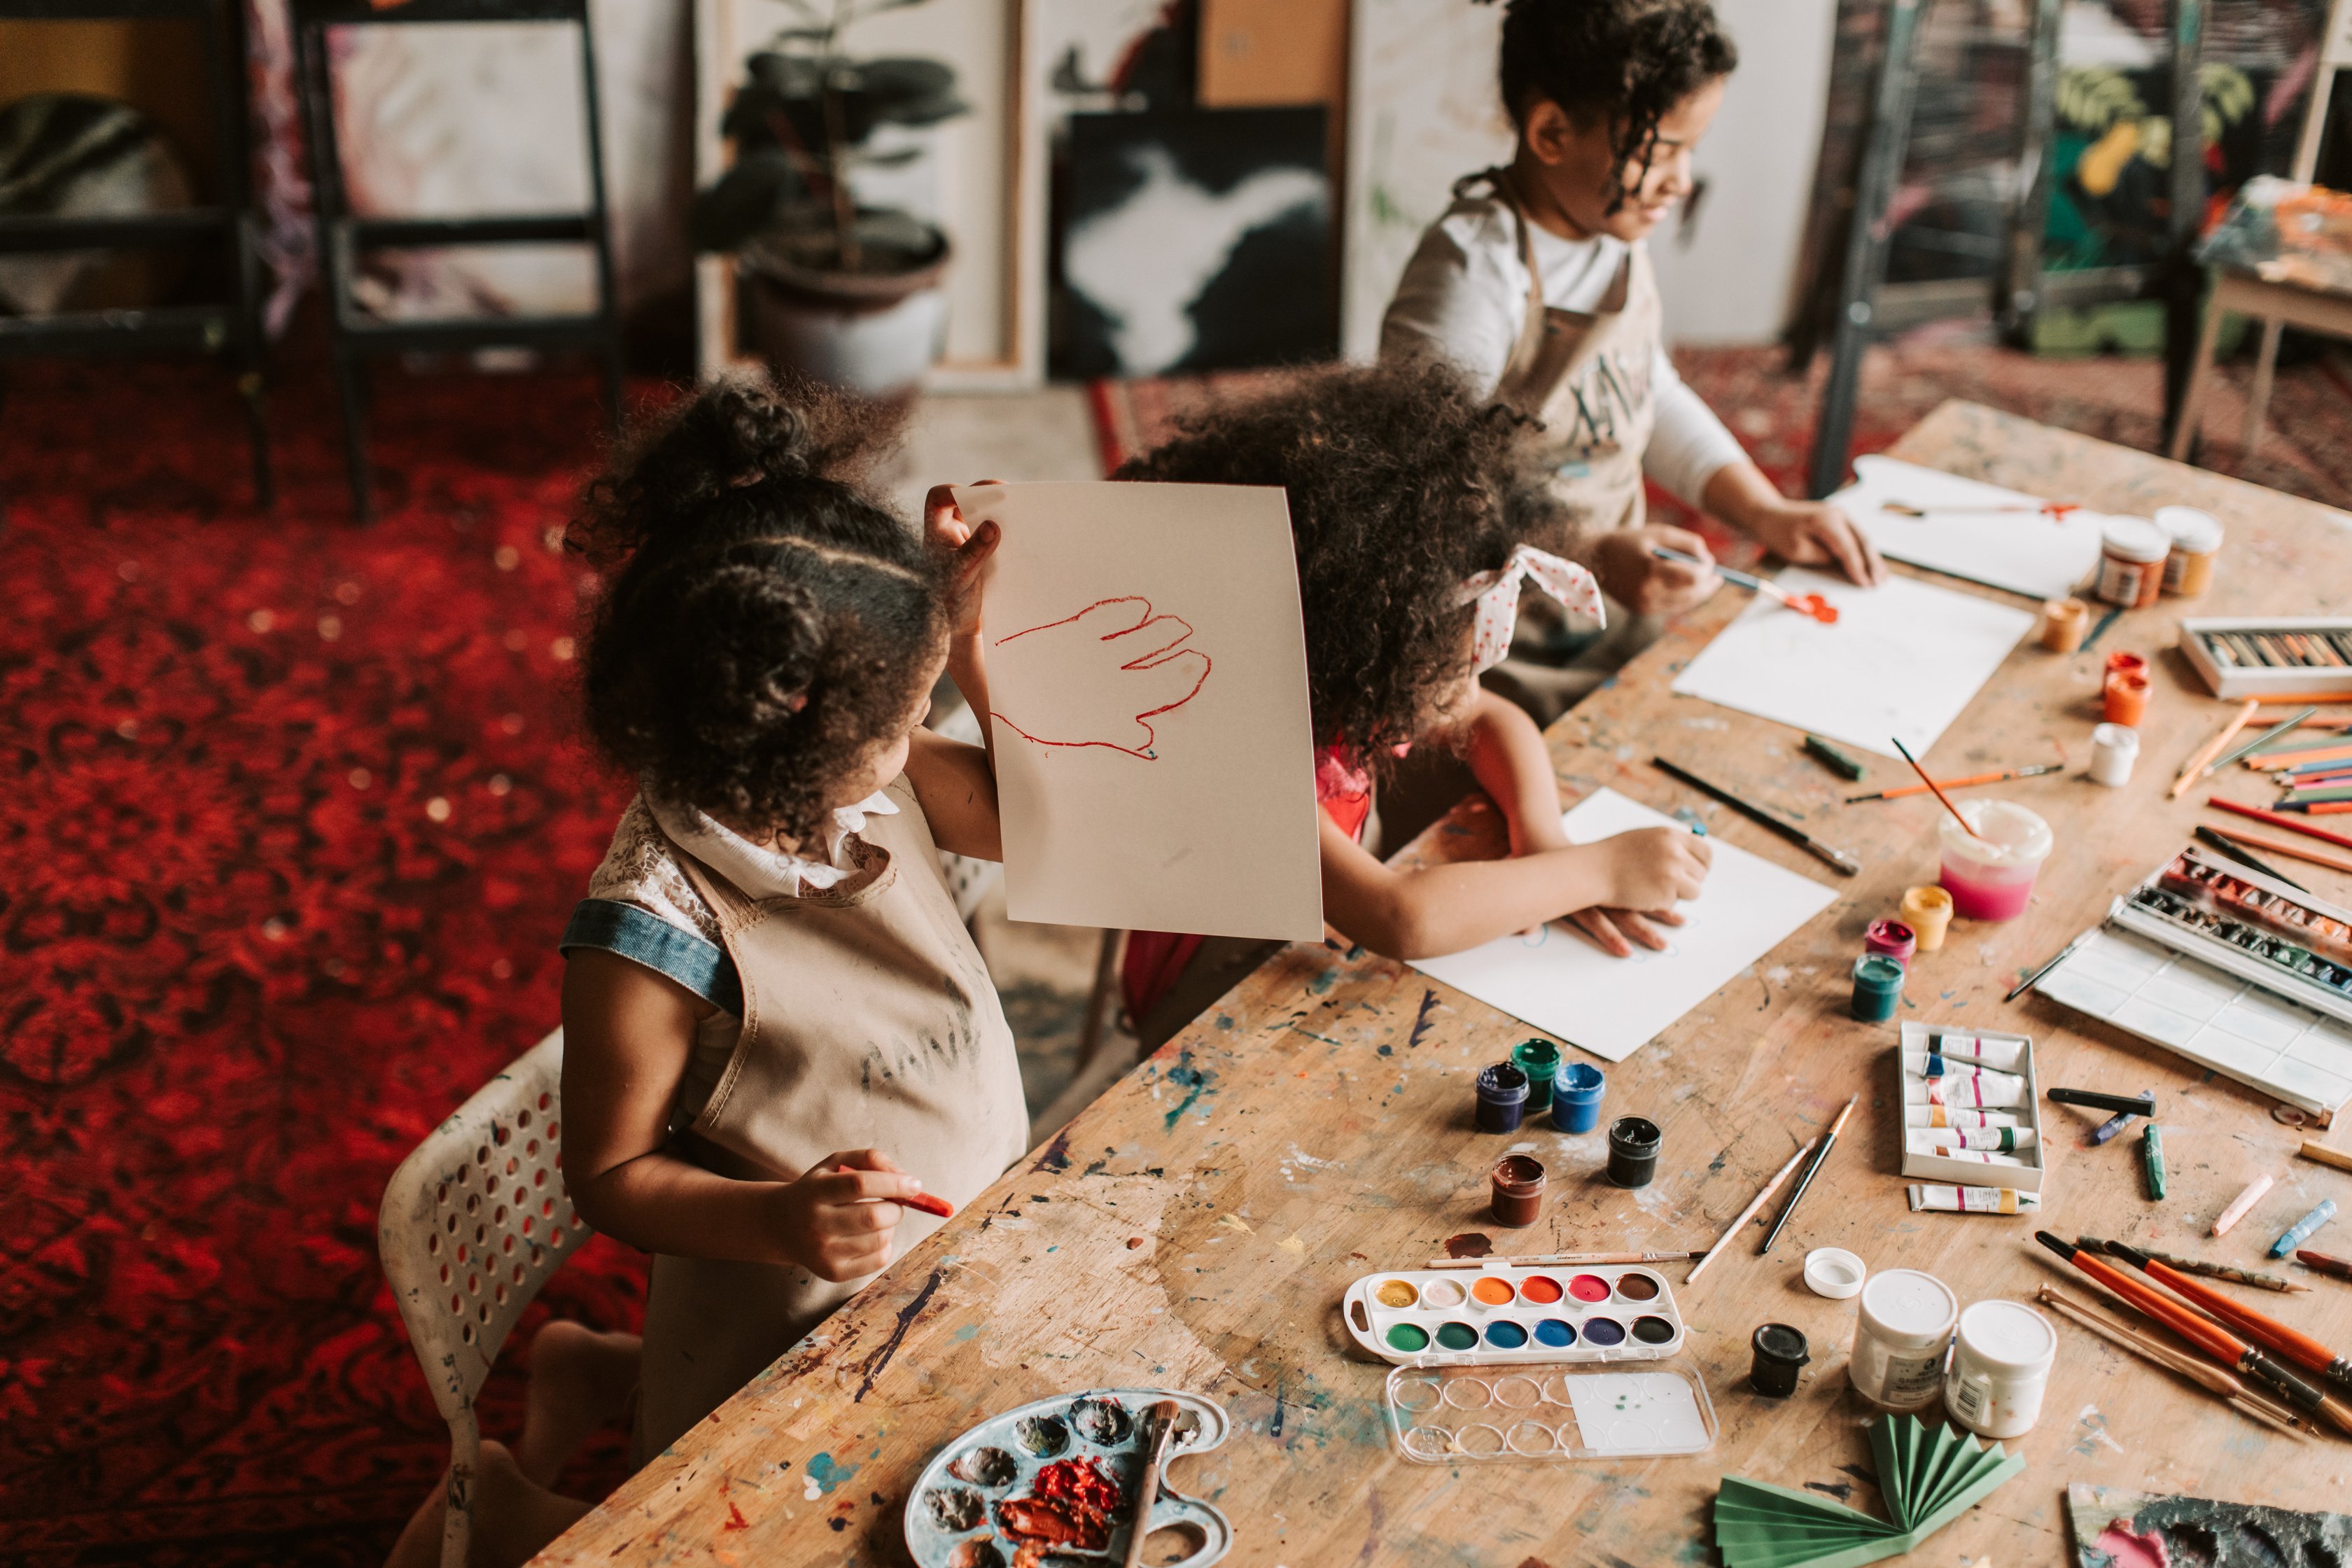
(1106, 625)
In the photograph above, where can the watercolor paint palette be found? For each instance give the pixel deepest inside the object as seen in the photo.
(2236, 919)
(1055, 1480)
(1503, 1315)
(1445, 1416)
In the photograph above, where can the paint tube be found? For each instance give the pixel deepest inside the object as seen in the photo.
(1972, 1091)
(1934, 1063)
(1932, 1115)
(2003, 1054)
(2005, 1140)
(1971, 1200)
(1973, 1156)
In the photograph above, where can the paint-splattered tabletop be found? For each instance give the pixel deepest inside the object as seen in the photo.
(1197, 1226)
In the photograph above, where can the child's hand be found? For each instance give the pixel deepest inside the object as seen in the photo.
(947, 533)
(1646, 584)
(838, 1221)
(1650, 868)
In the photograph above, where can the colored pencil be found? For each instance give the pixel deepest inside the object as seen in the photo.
(2281, 699)
(2203, 1332)
(1551, 1259)
(1757, 813)
(2274, 761)
(1900, 791)
(2337, 760)
(2247, 857)
(1749, 1212)
(2314, 1150)
(1932, 785)
(2240, 1205)
(2275, 820)
(1797, 1196)
(2230, 1271)
(2228, 1385)
(2264, 1330)
(2285, 726)
(2294, 851)
(2212, 748)
(2341, 1267)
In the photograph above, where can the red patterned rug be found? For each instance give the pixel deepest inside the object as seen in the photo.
(292, 817)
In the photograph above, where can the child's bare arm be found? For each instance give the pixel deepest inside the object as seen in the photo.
(957, 789)
(626, 1035)
(1439, 909)
(1507, 756)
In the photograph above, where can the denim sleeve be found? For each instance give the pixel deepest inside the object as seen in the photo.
(643, 937)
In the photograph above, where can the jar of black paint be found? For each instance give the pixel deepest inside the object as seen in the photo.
(1780, 1354)
(1633, 1151)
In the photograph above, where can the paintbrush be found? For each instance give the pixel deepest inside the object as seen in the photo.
(1757, 813)
(1161, 1420)
(2050, 509)
(2263, 1330)
(2228, 1386)
(1797, 1196)
(1758, 1201)
(1549, 1259)
(2229, 1272)
(2054, 960)
(2212, 748)
(2204, 1333)
(2294, 851)
(1901, 791)
(1811, 604)
(1932, 785)
(2246, 857)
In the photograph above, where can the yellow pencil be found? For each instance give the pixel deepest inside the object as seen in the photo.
(2212, 749)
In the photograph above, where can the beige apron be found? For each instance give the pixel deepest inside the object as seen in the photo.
(1587, 377)
(869, 1021)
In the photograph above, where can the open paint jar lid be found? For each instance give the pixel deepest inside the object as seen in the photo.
(1835, 1272)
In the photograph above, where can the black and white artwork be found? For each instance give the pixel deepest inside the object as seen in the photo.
(1197, 240)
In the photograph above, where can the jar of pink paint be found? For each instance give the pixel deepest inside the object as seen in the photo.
(1991, 875)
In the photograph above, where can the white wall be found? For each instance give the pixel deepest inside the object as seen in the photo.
(1727, 278)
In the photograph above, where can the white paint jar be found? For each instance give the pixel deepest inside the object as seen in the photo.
(1904, 1326)
(2000, 1368)
(2114, 749)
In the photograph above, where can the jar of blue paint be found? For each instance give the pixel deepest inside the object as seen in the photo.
(1502, 1098)
(1576, 1094)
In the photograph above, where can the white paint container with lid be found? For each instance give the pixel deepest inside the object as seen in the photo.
(2114, 749)
(2001, 1358)
(1905, 1325)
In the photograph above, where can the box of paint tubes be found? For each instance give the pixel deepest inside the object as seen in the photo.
(1971, 1119)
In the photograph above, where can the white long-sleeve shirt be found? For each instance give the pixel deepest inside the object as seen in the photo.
(1464, 296)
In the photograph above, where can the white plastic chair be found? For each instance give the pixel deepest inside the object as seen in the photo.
(472, 1224)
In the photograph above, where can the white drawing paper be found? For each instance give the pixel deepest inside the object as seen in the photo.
(2210, 1015)
(1903, 659)
(2028, 552)
(1636, 1413)
(1147, 672)
(1558, 981)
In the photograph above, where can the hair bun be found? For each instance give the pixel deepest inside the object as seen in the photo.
(765, 435)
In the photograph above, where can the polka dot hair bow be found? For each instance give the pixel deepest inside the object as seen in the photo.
(1497, 594)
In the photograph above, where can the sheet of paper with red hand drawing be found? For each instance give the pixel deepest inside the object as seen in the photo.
(1146, 671)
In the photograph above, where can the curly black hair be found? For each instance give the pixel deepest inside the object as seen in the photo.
(764, 622)
(1402, 485)
(1628, 62)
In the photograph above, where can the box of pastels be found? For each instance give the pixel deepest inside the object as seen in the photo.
(1971, 1108)
(1509, 1314)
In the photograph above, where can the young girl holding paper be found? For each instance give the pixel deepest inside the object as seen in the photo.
(1536, 284)
(779, 1039)
(1402, 489)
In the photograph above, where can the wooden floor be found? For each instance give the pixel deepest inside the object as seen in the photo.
(1197, 1226)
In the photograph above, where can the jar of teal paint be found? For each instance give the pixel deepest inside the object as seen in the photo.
(1539, 1060)
(1878, 987)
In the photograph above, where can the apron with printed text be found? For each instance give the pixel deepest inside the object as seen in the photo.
(1586, 376)
(869, 1021)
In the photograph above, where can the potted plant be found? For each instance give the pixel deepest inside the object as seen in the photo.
(845, 293)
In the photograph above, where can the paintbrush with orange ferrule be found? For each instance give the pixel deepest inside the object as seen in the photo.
(2264, 1330)
(1811, 604)
(2203, 1332)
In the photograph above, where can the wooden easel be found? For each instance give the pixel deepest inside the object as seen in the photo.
(1867, 306)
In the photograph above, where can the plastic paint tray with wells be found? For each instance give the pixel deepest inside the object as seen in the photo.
(1503, 1315)
(1447, 1414)
(1055, 1480)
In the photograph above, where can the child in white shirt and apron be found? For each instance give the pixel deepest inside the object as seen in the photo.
(1537, 285)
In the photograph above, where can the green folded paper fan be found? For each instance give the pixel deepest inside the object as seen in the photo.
(1927, 1482)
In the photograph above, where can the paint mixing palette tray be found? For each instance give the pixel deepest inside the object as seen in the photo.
(1055, 1480)
(1446, 1414)
(1503, 1315)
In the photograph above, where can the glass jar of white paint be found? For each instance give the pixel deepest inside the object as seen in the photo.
(2001, 1358)
(1904, 1326)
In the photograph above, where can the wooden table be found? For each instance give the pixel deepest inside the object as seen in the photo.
(1197, 1225)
